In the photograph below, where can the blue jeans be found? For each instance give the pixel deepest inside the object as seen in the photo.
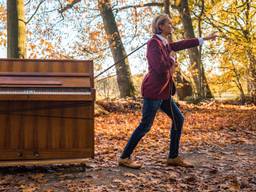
(149, 110)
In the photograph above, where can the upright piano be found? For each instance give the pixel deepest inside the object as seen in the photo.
(46, 109)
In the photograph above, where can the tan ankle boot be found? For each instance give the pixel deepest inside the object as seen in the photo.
(127, 162)
(178, 161)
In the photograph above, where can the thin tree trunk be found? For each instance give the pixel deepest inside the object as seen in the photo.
(167, 7)
(251, 57)
(201, 86)
(16, 29)
(123, 72)
(238, 83)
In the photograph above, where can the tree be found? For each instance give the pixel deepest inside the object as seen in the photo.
(16, 29)
(184, 88)
(236, 22)
(124, 79)
(123, 72)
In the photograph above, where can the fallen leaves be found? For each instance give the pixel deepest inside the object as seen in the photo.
(218, 139)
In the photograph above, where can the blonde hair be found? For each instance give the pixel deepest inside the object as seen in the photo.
(157, 21)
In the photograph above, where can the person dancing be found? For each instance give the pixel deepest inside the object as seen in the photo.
(157, 90)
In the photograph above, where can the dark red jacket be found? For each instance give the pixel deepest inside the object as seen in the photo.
(156, 83)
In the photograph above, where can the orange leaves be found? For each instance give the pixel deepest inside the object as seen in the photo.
(69, 1)
(94, 35)
(3, 14)
(210, 123)
(42, 48)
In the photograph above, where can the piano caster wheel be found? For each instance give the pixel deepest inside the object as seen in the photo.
(19, 154)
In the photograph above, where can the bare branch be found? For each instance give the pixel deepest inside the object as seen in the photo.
(38, 6)
(69, 6)
(140, 6)
(224, 31)
(27, 2)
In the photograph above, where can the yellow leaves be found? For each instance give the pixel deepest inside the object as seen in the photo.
(175, 20)
(177, 3)
(223, 15)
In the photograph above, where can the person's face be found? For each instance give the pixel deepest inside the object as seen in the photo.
(167, 27)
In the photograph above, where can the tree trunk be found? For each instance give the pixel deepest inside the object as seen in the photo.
(201, 86)
(184, 88)
(238, 83)
(251, 75)
(16, 29)
(123, 72)
(167, 7)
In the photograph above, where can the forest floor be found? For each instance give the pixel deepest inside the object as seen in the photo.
(220, 140)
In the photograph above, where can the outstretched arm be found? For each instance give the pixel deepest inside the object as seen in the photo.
(183, 44)
(189, 43)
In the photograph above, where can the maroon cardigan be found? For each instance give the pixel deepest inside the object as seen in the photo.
(157, 82)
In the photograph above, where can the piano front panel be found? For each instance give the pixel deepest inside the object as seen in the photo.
(46, 131)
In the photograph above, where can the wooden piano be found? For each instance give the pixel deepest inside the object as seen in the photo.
(46, 109)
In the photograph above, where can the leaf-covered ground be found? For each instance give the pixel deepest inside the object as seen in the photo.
(219, 139)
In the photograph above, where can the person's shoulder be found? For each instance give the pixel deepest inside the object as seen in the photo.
(154, 40)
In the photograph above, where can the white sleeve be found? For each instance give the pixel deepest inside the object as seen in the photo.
(201, 41)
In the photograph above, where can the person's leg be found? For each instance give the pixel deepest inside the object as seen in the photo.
(172, 110)
(149, 110)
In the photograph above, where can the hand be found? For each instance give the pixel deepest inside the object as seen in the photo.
(212, 36)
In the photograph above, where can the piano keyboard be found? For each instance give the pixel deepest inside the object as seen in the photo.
(45, 91)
